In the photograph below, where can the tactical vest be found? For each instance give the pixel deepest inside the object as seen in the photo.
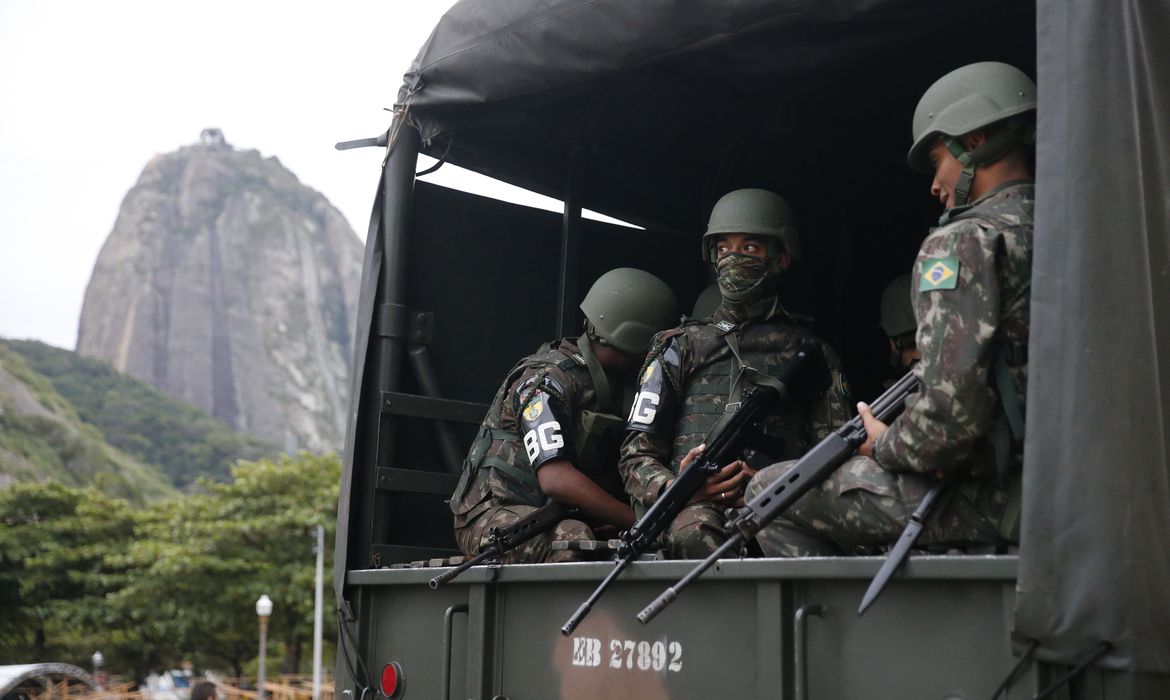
(595, 435)
(764, 346)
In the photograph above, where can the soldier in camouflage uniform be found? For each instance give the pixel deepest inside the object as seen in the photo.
(695, 374)
(554, 427)
(972, 281)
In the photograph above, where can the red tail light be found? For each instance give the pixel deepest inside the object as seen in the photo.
(392, 680)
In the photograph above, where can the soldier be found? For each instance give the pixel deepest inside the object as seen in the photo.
(695, 374)
(899, 324)
(553, 429)
(971, 287)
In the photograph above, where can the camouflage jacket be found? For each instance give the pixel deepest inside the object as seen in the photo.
(697, 368)
(972, 283)
(546, 408)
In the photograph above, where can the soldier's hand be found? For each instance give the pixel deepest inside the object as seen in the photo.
(873, 429)
(693, 454)
(726, 486)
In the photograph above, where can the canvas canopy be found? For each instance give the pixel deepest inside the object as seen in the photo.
(520, 89)
(1094, 560)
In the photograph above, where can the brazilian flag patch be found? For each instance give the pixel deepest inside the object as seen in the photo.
(939, 273)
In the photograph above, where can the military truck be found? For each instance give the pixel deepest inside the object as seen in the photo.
(648, 112)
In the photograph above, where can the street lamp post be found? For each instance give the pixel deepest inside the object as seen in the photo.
(263, 611)
(97, 660)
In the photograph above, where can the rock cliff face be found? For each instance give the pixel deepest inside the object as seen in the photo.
(229, 284)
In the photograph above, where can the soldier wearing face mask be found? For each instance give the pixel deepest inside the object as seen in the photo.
(696, 374)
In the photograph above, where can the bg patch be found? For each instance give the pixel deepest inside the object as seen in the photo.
(939, 273)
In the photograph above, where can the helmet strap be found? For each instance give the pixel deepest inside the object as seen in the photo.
(967, 175)
(998, 144)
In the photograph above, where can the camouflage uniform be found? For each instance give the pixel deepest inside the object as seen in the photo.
(686, 385)
(973, 281)
(546, 408)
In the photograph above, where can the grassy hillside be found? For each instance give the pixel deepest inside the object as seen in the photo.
(42, 438)
(138, 419)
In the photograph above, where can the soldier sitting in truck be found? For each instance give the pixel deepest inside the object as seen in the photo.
(899, 324)
(697, 373)
(553, 429)
(972, 283)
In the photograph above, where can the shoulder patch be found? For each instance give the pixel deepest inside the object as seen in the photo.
(939, 273)
(725, 326)
(534, 409)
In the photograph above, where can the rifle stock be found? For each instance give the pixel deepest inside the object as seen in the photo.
(810, 470)
(503, 540)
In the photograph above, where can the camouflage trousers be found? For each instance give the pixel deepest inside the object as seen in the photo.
(696, 531)
(474, 535)
(862, 507)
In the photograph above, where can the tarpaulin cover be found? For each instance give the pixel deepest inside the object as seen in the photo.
(1095, 554)
(660, 90)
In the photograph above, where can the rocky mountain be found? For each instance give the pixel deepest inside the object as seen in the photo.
(229, 284)
(42, 437)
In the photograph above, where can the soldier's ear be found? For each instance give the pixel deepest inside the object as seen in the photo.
(974, 140)
(783, 260)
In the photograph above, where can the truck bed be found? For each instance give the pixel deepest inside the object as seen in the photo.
(754, 628)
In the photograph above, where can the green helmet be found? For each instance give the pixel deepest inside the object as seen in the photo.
(752, 211)
(966, 99)
(897, 309)
(626, 307)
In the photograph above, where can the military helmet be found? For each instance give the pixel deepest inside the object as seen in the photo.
(966, 99)
(897, 309)
(626, 307)
(752, 211)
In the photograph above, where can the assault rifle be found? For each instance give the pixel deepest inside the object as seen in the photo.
(505, 539)
(805, 374)
(809, 471)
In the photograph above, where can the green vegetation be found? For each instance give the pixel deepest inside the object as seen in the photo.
(42, 437)
(81, 571)
(135, 417)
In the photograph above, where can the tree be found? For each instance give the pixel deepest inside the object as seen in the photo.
(59, 560)
(205, 559)
(81, 571)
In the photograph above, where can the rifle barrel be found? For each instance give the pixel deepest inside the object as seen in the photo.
(584, 608)
(452, 573)
(667, 597)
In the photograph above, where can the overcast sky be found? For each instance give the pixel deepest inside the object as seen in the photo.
(91, 91)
